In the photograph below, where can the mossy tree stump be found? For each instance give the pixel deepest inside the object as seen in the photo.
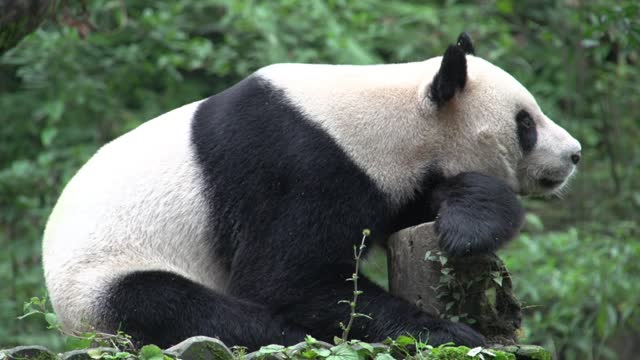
(476, 289)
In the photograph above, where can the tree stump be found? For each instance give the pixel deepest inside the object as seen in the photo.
(476, 290)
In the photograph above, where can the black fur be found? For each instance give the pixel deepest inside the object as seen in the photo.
(164, 308)
(292, 205)
(527, 132)
(478, 214)
(451, 76)
(422, 207)
(287, 205)
(465, 43)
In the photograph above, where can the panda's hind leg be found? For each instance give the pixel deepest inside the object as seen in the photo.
(163, 308)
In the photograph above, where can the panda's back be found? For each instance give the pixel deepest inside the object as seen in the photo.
(136, 205)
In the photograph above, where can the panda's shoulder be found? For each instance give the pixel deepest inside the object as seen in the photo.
(294, 70)
(298, 77)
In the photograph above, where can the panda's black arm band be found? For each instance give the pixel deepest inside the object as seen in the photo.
(477, 214)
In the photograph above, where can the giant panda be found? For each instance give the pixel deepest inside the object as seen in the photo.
(235, 216)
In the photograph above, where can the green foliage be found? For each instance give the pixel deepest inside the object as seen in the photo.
(151, 352)
(75, 341)
(449, 291)
(67, 89)
(578, 287)
(404, 347)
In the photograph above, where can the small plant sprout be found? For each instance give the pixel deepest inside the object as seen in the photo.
(80, 340)
(38, 306)
(357, 254)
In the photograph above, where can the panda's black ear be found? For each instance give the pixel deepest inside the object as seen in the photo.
(451, 77)
(464, 41)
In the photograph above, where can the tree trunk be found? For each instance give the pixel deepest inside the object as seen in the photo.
(19, 18)
(475, 290)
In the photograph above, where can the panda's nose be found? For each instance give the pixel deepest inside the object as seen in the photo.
(575, 157)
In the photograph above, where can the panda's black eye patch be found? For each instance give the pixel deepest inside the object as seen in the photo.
(523, 118)
(527, 133)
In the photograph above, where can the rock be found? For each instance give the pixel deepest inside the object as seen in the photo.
(29, 353)
(460, 353)
(256, 355)
(200, 348)
(84, 354)
(293, 351)
(526, 352)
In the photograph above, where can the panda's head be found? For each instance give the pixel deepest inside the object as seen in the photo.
(490, 123)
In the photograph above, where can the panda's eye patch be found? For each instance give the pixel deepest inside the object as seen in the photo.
(527, 134)
(524, 119)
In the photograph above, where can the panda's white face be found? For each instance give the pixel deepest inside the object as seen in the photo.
(494, 125)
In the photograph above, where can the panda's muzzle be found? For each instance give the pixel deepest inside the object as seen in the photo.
(549, 183)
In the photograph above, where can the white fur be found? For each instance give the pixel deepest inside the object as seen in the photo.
(383, 119)
(373, 113)
(136, 205)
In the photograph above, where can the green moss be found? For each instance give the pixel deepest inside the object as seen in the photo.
(526, 352)
(29, 353)
(460, 353)
(533, 352)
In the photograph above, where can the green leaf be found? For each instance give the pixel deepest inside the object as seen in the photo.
(95, 353)
(54, 109)
(505, 6)
(367, 347)
(47, 136)
(343, 352)
(443, 260)
(77, 343)
(310, 340)
(404, 340)
(384, 356)
(309, 354)
(534, 222)
(322, 352)
(271, 349)
(427, 255)
(52, 320)
(150, 352)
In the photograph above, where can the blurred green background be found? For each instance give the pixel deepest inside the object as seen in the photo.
(96, 69)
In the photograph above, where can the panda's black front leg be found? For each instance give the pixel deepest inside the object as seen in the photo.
(308, 296)
(477, 214)
(389, 316)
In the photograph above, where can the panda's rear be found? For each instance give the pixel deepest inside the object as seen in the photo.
(136, 205)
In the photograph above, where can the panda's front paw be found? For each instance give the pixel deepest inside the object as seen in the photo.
(477, 215)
